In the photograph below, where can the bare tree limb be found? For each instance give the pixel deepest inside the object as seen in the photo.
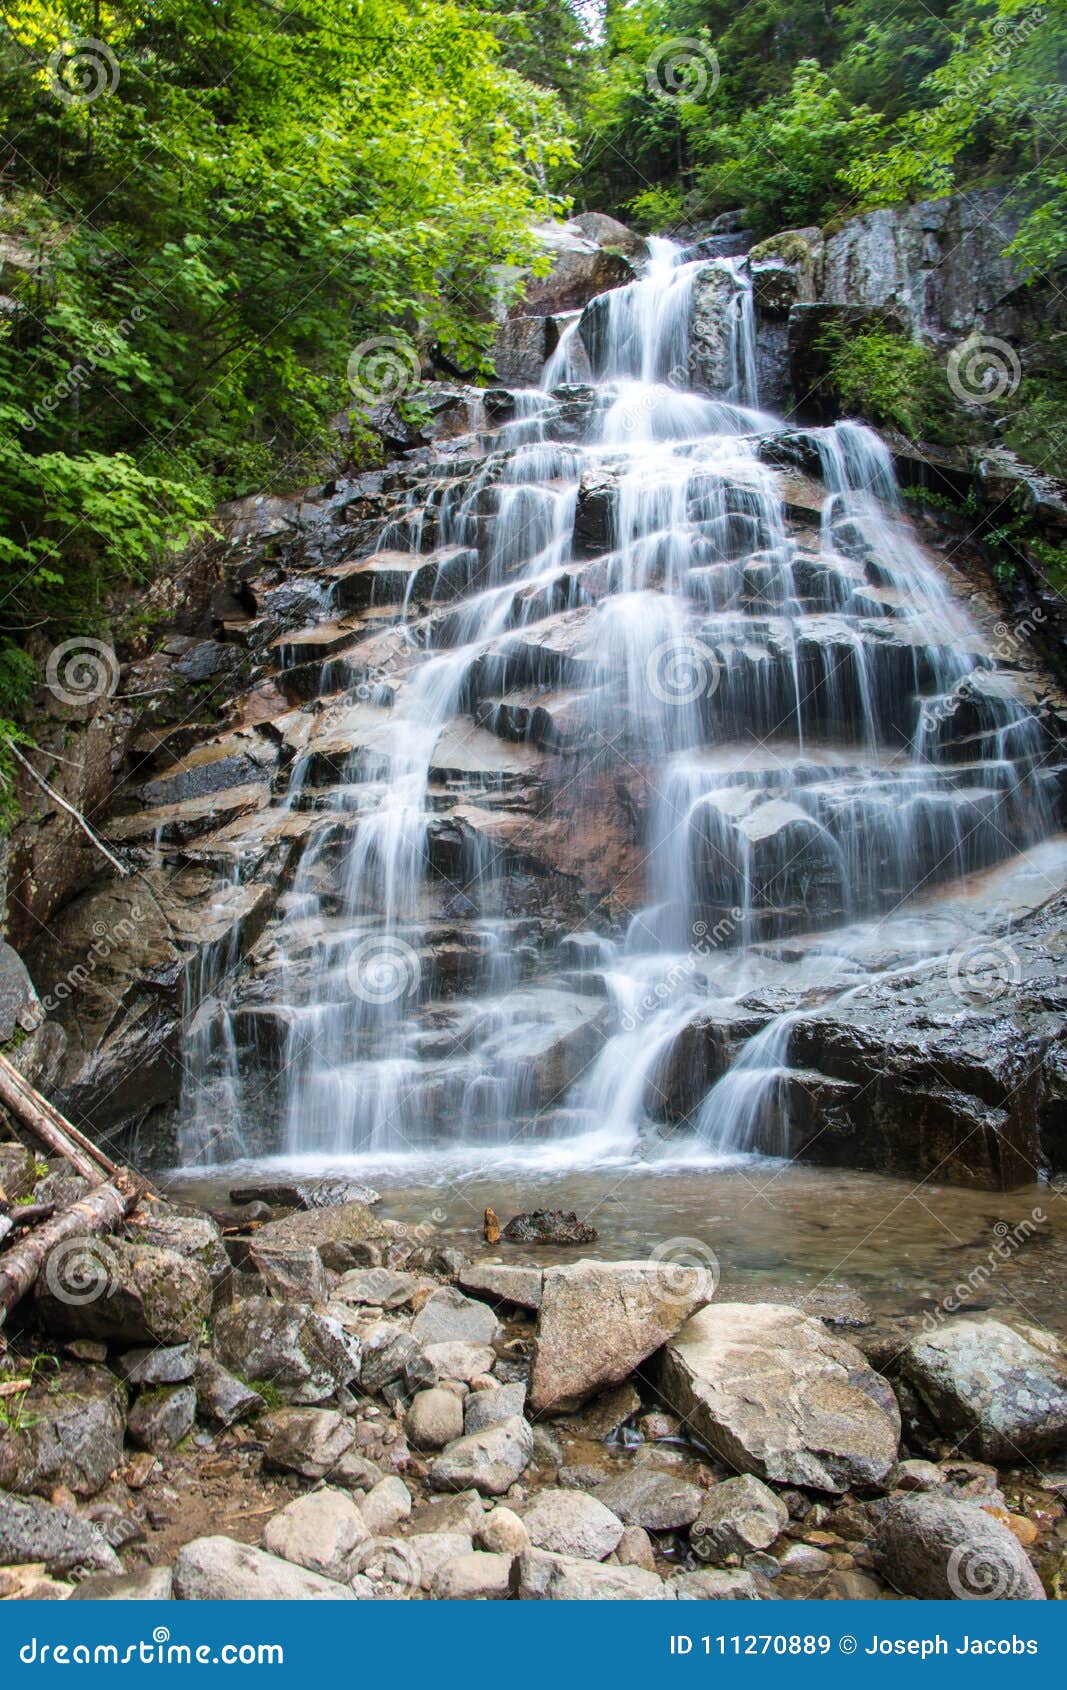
(101, 1210)
(47, 1125)
(57, 798)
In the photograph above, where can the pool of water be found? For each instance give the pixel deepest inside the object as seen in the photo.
(910, 1249)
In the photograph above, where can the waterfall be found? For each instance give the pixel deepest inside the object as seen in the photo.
(617, 586)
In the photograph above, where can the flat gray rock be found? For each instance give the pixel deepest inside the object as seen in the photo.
(660, 1502)
(539, 1576)
(489, 1461)
(600, 1320)
(568, 1522)
(773, 1392)
(217, 1569)
(499, 1283)
(448, 1317)
(736, 1517)
(32, 1530)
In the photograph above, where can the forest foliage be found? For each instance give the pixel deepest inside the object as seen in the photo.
(189, 257)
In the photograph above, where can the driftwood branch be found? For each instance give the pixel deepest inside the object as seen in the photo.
(101, 1210)
(57, 798)
(47, 1125)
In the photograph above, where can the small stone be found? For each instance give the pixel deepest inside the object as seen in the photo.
(151, 1584)
(713, 1585)
(477, 1577)
(308, 1441)
(32, 1531)
(87, 1349)
(385, 1506)
(319, 1532)
(68, 1430)
(459, 1361)
(489, 1461)
(917, 1475)
(805, 1558)
(641, 1496)
(161, 1418)
(434, 1550)
(292, 1273)
(543, 1577)
(434, 1419)
(498, 1283)
(171, 1365)
(448, 1317)
(658, 1426)
(222, 1397)
(569, 1522)
(379, 1287)
(605, 1413)
(139, 1469)
(634, 1549)
(737, 1516)
(484, 1408)
(463, 1513)
(502, 1532)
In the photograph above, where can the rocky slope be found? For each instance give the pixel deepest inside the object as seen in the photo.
(319, 1404)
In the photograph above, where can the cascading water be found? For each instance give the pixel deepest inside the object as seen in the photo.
(630, 578)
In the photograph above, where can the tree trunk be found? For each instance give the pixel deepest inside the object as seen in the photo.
(101, 1210)
(49, 1126)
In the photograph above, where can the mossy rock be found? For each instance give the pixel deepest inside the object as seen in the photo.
(123, 1293)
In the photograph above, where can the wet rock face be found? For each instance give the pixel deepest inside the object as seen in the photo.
(774, 1394)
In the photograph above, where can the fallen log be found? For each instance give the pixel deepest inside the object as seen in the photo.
(52, 1129)
(100, 1210)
